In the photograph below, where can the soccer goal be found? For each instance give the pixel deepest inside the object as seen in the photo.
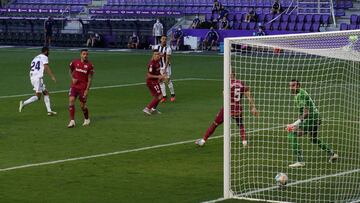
(326, 70)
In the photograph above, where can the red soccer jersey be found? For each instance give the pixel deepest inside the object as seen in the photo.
(153, 69)
(81, 71)
(238, 88)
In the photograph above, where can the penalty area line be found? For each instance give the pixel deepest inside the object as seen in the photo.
(115, 153)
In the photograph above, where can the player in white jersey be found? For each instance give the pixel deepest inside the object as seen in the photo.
(37, 67)
(165, 68)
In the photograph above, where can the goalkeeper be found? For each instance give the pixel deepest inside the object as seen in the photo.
(308, 122)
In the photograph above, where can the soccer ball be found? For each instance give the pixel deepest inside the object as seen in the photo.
(281, 179)
(353, 38)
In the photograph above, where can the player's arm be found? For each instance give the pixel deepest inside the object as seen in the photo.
(302, 117)
(49, 71)
(251, 102)
(160, 77)
(88, 85)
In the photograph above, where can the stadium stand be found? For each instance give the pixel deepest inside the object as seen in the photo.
(21, 21)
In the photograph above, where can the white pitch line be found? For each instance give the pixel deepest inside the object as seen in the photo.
(111, 86)
(115, 153)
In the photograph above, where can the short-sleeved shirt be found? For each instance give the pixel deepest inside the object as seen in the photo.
(153, 69)
(238, 88)
(165, 51)
(178, 34)
(158, 29)
(81, 71)
(37, 66)
(48, 25)
(302, 101)
(224, 23)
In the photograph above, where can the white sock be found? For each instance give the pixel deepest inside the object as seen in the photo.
(47, 103)
(30, 100)
(163, 89)
(171, 87)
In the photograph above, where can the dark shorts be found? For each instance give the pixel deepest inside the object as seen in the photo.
(75, 92)
(48, 34)
(154, 88)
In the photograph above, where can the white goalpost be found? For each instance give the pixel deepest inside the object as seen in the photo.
(311, 81)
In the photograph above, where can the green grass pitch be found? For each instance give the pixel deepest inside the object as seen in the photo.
(141, 170)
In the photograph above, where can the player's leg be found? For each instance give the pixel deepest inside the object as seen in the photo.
(315, 140)
(171, 85)
(47, 103)
(72, 97)
(163, 87)
(219, 119)
(299, 160)
(240, 124)
(157, 96)
(84, 108)
(38, 88)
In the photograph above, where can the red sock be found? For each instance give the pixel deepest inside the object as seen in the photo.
(210, 131)
(242, 132)
(72, 112)
(153, 103)
(86, 112)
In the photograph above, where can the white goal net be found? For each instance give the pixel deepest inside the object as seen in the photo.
(311, 81)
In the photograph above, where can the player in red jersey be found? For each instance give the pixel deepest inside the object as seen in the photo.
(81, 72)
(153, 78)
(238, 89)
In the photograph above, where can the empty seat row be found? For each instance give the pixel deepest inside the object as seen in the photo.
(354, 19)
(344, 26)
(66, 2)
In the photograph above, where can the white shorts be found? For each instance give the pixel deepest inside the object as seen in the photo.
(38, 85)
(168, 72)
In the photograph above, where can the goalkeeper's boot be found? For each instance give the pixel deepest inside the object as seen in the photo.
(86, 122)
(21, 106)
(297, 165)
(333, 158)
(71, 124)
(147, 111)
(163, 100)
(51, 113)
(200, 142)
(244, 142)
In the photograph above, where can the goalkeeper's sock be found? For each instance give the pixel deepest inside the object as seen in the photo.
(323, 146)
(296, 149)
(210, 131)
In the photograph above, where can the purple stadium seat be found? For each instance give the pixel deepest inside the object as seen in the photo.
(268, 17)
(243, 26)
(299, 26)
(343, 26)
(339, 12)
(300, 18)
(325, 19)
(316, 18)
(315, 27)
(353, 19)
(235, 25)
(292, 19)
(275, 25)
(252, 26)
(260, 18)
(348, 4)
(308, 18)
(277, 18)
(267, 26)
(283, 26)
(353, 27)
(285, 18)
(291, 26)
(238, 17)
(307, 27)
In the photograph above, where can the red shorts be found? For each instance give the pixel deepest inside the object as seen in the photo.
(154, 88)
(74, 92)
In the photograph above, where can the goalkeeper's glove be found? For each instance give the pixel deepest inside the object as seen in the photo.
(293, 126)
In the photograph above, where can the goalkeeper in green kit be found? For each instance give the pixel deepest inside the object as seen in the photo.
(308, 122)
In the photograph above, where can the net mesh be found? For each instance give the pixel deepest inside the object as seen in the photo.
(327, 65)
